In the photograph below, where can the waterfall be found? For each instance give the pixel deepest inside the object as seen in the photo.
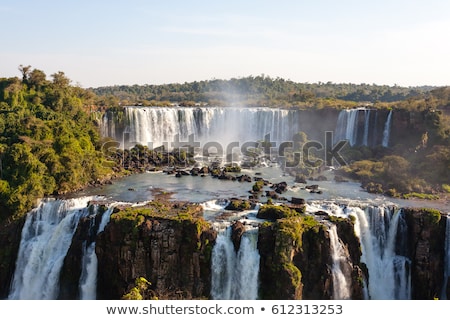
(157, 126)
(341, 270)
(387, 130)
(382, 232)
(235, 274)
(374, 139)
(446, 259)
(347, 126)
(226, 129)
(366, 127)
(360, 127)
(388, 267)
(46, 238)
(108, 125)
(88, 278)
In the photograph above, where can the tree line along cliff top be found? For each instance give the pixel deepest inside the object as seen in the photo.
(260, 90)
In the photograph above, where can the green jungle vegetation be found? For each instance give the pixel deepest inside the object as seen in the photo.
(50, 142)
(256, 91)
(418, 165)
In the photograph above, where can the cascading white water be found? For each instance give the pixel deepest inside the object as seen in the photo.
(223, 266)
(247, 267)
(88, 278)
(382, 232)
(366, 127)
(108, 125)
(46, 238)
(446, 259)
(232, 127)
(389, 272)
(340, 268)
(348, 127)
(387, 130)
(373, 140)
(235, 274)
(156, 126)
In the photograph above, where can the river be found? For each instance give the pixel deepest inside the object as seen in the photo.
(150, 185)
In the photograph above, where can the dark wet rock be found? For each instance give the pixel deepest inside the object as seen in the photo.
(312, 187)
(295, 200)
(280, 187)
(237, 230)
(172, 253)
(272, 194)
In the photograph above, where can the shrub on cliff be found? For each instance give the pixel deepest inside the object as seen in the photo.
(141, 291)
(274, 212)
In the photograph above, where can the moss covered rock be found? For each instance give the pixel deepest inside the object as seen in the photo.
(168, 244)
(273, 212)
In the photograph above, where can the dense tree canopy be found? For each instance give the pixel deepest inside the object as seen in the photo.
(48, 144)
(258, 90)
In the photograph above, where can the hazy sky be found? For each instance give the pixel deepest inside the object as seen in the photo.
(112, 42)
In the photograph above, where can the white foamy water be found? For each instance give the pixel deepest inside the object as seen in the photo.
(235, 274)
(46, 238)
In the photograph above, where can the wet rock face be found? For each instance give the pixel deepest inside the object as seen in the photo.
(426, 235)
(345, 230)
(173, 255)
(295, 258)
(293, 262)
(10, 235)
(85, 235)
(237, 230)
(314, 264)
(278, 278)
(71, 270)
(297, 264)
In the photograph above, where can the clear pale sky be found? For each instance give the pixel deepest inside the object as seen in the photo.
(98, 43)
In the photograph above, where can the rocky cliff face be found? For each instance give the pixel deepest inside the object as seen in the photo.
(171, 250)
(170, 245)
(296, 259)
(10, 234)
(426, 237)
(346, 233)
(85, 235)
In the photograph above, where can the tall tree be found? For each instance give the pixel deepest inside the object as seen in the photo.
(60, 80)
(25, 70)
(37, 78)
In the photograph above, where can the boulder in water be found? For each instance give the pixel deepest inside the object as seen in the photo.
(295, 200)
